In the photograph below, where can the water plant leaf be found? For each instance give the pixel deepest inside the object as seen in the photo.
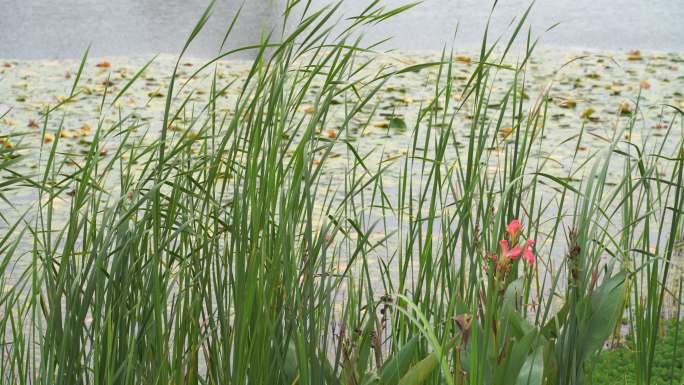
(606, 306)
(397, 365)
(505, 132)
(586, 114)
(323, 371)
(519, 325)
(567, 103)
(516, 357)
(463, 59)
(397, 123)
(559, 181)
(532, 371)
(361, 356)
(634, 55)
(552, 327)
(625, 108)
(290, 365)
(104, 64)
(421, 371)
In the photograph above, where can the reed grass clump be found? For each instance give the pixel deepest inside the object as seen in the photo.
(222, 249)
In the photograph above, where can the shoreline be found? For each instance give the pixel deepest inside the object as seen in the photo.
(541, 49)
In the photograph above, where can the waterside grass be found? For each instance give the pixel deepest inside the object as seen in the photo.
(223, 252)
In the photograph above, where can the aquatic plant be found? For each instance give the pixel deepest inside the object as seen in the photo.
(221, 250)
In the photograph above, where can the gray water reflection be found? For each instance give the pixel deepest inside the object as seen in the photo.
(63, 29)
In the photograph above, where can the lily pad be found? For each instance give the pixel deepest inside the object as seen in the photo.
(586, 114)
(634, 55)
(504, 132)
(567, 103)
(625, 108)
(397, 123)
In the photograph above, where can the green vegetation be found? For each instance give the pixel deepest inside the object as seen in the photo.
(223, 253)
(616, 366)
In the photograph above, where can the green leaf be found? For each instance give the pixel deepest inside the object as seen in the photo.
(396, 366)
(552, 327)
(559, 181)
(362, 355)
(371, 378)
(513, 292)
(516, 357)
(421, 371)
(322, 371)
(290, 366)
(510, 316)
(532, 371)
(606, 307)
(397, 123)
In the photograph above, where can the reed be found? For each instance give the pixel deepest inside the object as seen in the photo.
(224, 252)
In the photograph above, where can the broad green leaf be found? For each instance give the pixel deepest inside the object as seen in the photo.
(290, 366)
(322, 371)
(362, 355)
(515, 358)
(532, 371)
(510, 316)
(396, 366)
(371, 378)
(514, 290)
(606, 306)
(397, 123)
(421, 371)
(552, 327)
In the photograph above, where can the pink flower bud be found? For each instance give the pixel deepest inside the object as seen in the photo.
(513, 229)
(528, 254)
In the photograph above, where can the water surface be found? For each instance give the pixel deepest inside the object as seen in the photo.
(63, 29)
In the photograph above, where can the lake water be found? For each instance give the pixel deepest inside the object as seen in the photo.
(31, 29)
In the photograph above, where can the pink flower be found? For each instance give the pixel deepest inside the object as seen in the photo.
(528, 254)
(513, 253)
(513, 229)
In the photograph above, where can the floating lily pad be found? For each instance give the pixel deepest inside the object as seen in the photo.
(625, 108)
(397, 123)
(504, 132)
(463, 59)
(634, 55)
(567, 103)
(307, 109)
(586, 114)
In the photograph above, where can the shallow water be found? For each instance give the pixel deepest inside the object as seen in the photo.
(63, 29)
(596, 82)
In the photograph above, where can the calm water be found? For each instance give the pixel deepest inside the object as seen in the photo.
(64, 28)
